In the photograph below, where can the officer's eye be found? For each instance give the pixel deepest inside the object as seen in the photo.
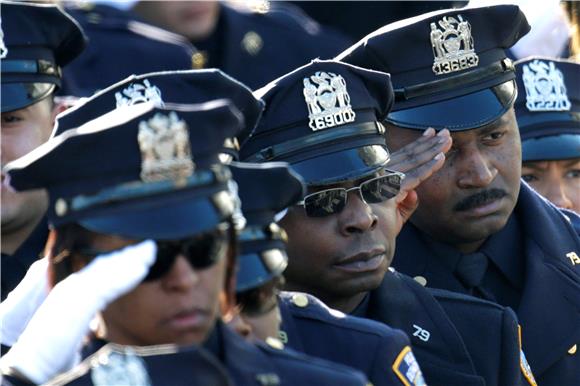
(494, 136)
(8, 118)
(529, 178)
(575, 173)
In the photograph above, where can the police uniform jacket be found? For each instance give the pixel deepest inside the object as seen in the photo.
(14, 266)
(246, 364)
(120, 45)
(258, 46)
(549, 303)
(309, 326)
(457, 339)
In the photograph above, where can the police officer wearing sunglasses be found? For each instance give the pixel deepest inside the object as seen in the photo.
(479, 230)
(299, 320)
(324, 119)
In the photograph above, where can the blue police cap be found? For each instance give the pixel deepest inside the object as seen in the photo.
(548, 108)
(140, 172)
(264, 189)
(324, 119)
(449, 68)
(36, 40)
(183, 87)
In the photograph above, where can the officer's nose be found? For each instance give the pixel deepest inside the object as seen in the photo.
(181, 276)
(357, 216)
(477, 170)
(557, 195)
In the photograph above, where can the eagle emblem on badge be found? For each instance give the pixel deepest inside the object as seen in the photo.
(139, 93)
(452, 45)
(165, 148)
(545, 88)
(327, 100)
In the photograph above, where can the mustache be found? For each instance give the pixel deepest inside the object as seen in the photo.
(478, 199)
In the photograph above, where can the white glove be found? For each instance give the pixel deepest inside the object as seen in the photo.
(17, 309)
(51, 342)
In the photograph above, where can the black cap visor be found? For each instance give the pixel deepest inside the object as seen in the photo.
(551, 148)
(17, 96)
(161, 220)
(344, 165)
(257, 268)
(465, 112)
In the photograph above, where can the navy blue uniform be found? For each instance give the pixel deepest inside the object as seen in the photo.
(547, 303)
(309, 326)
(246, 364)
(121, 45)
(453, 336)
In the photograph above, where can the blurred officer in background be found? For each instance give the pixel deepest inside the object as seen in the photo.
(254, 44)
(308, 325)
(120, 44)
(478, 230)
(546, 110)
(35, 42)
(324, 119)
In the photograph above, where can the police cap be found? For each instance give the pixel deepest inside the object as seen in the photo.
(449, 68)
(140, 172)
(548, 108)
(36, 40)
(324, 119)
(264, 189)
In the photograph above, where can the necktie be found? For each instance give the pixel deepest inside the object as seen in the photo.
(470, 270)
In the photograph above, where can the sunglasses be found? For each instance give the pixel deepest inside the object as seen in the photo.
(332, 201)
(201, 251)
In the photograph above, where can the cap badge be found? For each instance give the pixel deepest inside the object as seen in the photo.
(165, 148)
(327, 100)
(3, 49)
(452, 46)
(545, 89)
(139, 93)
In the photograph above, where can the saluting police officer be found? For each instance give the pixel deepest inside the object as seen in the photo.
(254, 42)
(299, 320)
(479, 230)
(36, 40)
(546, 109)
(325, 120)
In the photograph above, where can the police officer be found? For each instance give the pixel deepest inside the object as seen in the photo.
(307, 325)
(162, 180)
(324, 118)
(35, 42)
(120, 44)
(548, 100)
(254, 44)
(478, 230)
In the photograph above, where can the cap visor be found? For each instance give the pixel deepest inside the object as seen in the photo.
(17, 96)
(340, 166)
(461, 113)
(256, 269)
(171, 221)
(556, 147)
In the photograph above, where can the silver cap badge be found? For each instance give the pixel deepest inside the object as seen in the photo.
(165, 148)
(327, 100)
(545, 88)
(452, 45)
(139, 93)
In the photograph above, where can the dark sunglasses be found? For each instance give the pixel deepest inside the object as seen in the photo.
(332, 201)
(201, 251)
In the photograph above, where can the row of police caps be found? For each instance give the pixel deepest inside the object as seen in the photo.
(143, 158)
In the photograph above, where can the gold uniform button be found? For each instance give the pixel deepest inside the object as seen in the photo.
(300, 300)
(421, 280)
(198, 60)
(573, 349)
(274, 343)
